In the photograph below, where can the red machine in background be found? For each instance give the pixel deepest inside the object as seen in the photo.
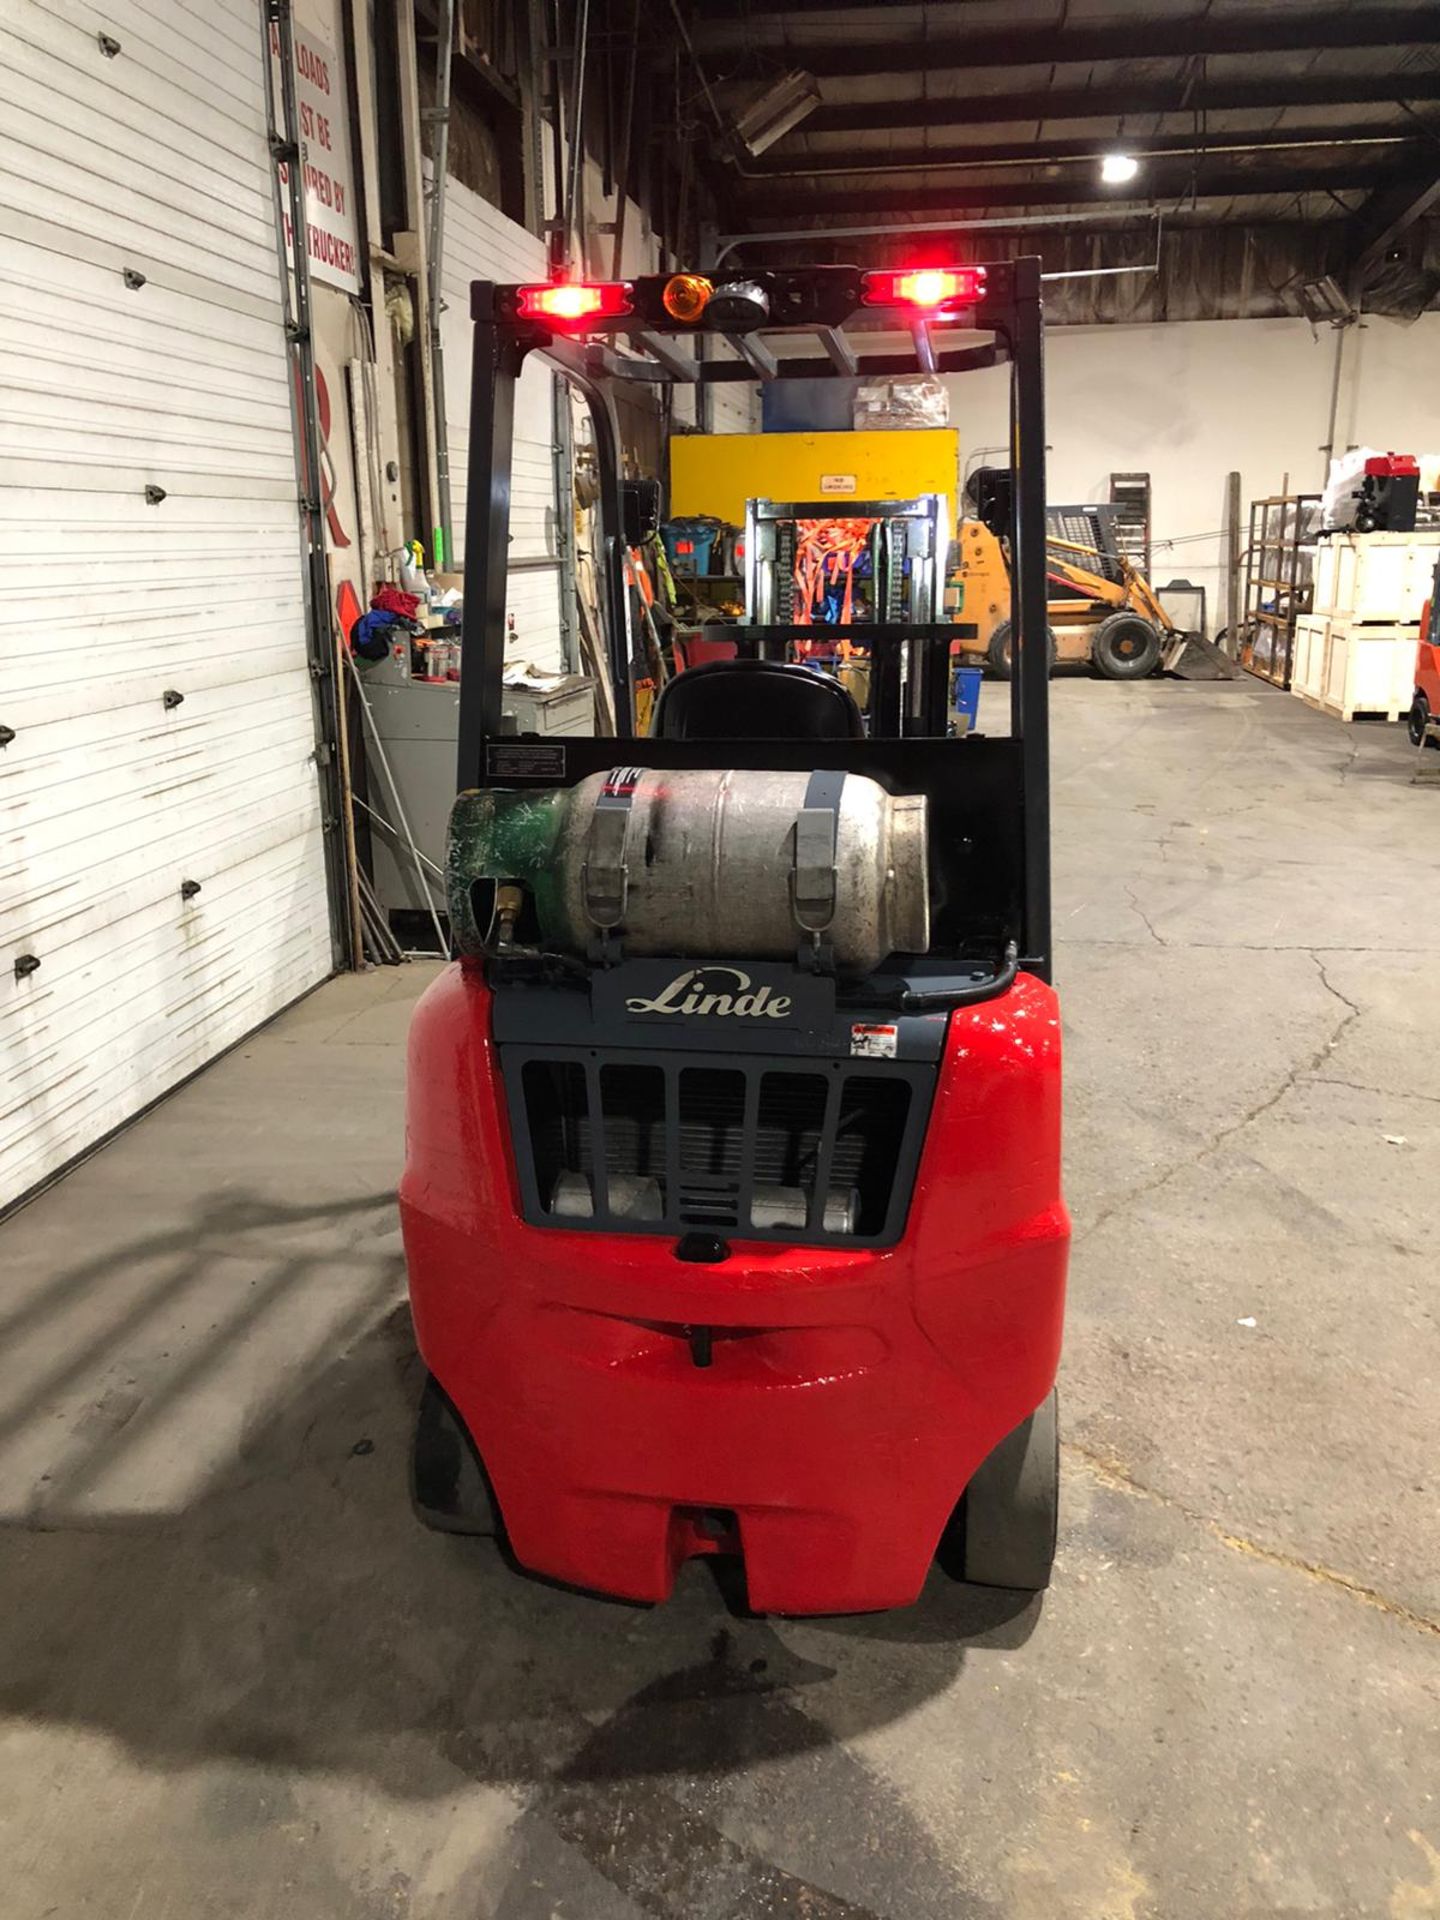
(732, 1189)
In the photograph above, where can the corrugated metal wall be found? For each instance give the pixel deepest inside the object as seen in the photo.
(151, 159)
(734, 404)
(481, 244)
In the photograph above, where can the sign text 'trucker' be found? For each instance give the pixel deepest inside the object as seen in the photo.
(332, 234)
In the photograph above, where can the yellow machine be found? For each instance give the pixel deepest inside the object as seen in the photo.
(716, 473)
(1116, 623)
(1119, 626)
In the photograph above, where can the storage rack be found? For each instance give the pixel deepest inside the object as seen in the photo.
(1130, 497)
(1278, 583)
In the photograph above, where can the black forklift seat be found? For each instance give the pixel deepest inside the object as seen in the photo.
(755, 700)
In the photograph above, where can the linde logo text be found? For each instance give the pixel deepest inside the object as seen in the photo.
(722, 991)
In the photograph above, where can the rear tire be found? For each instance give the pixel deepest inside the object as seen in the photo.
(1008, 1517)
(1000, 654)
(1125, 647)
(448, 1486)
(1417, 719)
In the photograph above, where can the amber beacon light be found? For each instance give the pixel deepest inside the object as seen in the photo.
(686, 296)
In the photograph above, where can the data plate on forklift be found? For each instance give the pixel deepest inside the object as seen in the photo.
(525, 760)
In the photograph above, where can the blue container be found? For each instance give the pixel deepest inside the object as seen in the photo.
(967, 698)
(689, 544)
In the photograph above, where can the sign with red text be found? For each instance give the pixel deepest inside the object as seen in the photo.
(332, 233)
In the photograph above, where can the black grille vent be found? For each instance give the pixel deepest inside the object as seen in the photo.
(762, 1149)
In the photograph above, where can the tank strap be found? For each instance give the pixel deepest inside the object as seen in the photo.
(606, 875)
(817, 827)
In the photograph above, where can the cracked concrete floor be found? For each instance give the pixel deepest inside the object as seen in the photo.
(236, 1680)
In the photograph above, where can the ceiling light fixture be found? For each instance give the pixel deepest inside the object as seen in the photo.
(776, 110)
(1117, 168)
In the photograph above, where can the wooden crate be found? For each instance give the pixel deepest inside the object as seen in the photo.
(1347, 667)
(1307, 659)
(1380, 579)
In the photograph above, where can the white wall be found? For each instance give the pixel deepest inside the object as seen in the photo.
(1190, 401)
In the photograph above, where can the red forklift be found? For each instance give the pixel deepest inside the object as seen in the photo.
(732, 1198)
(1425, 707)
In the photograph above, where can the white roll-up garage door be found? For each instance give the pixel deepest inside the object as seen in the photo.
(155, 700)
(481, 244)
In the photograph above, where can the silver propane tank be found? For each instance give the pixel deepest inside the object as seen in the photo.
(725, 862)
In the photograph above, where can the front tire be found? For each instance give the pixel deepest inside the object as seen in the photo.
(1009, 1515)
(1417, 720)
(1125, 647)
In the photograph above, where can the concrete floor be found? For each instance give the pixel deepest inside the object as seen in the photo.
(237, 1679)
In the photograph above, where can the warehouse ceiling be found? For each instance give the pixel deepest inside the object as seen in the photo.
(1276, 143)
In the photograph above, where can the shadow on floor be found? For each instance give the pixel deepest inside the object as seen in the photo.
(297, 1617)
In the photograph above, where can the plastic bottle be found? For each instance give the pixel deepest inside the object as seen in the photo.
(412, 571)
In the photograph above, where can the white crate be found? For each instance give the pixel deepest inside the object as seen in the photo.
(1382, 579)
(1307, 661)
(1345, 667)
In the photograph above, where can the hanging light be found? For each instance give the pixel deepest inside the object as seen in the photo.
(1117, 168)
(776, 110)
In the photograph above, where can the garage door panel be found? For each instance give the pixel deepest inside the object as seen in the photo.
(59, 343)
(156, 444)
(536, 607)
(213, 999)
(204, 157)
(195, 644)
(37, 857)
(84, 187)
(85, 305)
(140, 242)
(95, 709)
(136, 92)
(481, 244)
(114, 517)
(68, 912)
(187, 667)
(218, 48)
(65, 770)
(105, 707)
(182, 579)
(90, 319)
(111, 162)
(82, 907)
(144, 41)
(84, 988)
(67, 392)
(107, 801)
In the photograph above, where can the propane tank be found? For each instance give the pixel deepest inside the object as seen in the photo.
(713, 863)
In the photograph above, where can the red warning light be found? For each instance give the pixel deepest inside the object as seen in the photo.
(567, 303)
(933, 289)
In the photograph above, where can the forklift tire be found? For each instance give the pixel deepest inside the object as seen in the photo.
(448, 1487)
(999, 655)
(1008, 1517)
(1416, 720)
(1125, 647)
